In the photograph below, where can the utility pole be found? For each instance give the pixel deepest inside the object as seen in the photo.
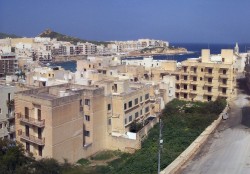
(160, 147)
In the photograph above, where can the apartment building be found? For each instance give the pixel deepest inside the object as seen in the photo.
(63, 121)
(130, 103)
(8, 64)
(48, 76)
(7, 116)
(85, 48)
(207, 78)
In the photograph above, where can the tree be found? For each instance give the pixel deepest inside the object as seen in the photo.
(12, 157)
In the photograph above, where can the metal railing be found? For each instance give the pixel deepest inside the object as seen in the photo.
(32, 121)
(31, 138)
(10, 115)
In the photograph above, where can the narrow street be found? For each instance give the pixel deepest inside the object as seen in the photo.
(228, 150)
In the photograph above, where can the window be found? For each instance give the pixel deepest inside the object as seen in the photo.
(177, 77)
(87, 102)
(185, 69)
(210, 70)
(177, 95)
(100, 64)
(185, 77)
(195, 69)
(177, 86)
(39, 114)
(146, 109)
(40, 150)
(209, 98)
(146, 96)
(130, 118)
(185, 95)
(80, 102)
(27, 147)
(201, 69)
(125, 121)
(125, 106)
(194, 87)
(194, 78)
(200, 78)
(136, 101)
(185, 86)
(9, 96)
(130, 104)
(136, 115)
(141, 112)
(26, 112)
(209, 89)
(87, 117)
(224, 71)
(109, 121)
(0, 110)
(224, 81)
(224, 90)
(1, 125)
(140, 98)
(109, 107)
(209, 80)
(86, 133)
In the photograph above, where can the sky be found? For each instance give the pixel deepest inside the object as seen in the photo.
(182, 21)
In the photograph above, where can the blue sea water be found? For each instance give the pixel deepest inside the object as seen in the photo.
(193, 47)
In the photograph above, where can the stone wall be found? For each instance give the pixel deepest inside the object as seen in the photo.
(186, 155)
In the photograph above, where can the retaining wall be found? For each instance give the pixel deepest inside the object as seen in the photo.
(193, 148)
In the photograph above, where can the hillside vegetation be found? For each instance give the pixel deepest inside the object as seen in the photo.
(4, 35)
(61, 37)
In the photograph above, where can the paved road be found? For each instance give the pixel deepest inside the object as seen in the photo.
(228, 149)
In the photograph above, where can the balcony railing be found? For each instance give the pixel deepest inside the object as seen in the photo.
(193, 92)
(223, 94)
(11, 128)
(31, 138)
(208, 84)
(31, 121)
(224, 76)
(10, 115)
(210, 93)
(208, 74)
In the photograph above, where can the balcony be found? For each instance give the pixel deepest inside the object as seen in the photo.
(192, 73)
(224, 85)
(209, 93)
(11, 129)
(10, 115)
(223, 94)
(208, 74)
(31, 138)
(152, 99)
(177, 90)
(208, 84)
(31, 121)
(193, 92)
(185, 81)
(224, 76)
(194, 82)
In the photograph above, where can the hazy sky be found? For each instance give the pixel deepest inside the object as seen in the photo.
(207, 21)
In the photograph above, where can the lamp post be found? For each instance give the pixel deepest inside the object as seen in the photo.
(160, 146)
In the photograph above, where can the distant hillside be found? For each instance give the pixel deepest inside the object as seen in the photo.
(61, 37)
(4, 35)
